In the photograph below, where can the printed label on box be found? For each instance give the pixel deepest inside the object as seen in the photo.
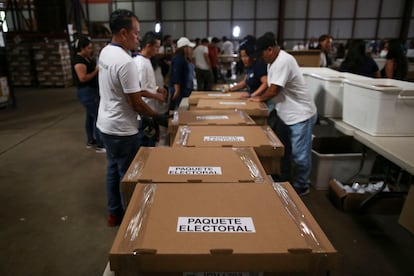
(212, 117)
(223, 139)
(215, 225)
(218, 95)
(232, 103)
(197, 170)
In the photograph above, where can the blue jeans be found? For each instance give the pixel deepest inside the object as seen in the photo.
(89, 98)
(120, 151)
(296, 164)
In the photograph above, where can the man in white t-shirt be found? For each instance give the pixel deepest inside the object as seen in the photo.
(149, 129)
(120, 103)
(227, 50)
(295, 110)
(201, 59)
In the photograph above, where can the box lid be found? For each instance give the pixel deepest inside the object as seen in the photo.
(238, 227)
(262, 138)
(211, 117)
(250, 107)
(180, 164)
(196, 96)
(389, 86)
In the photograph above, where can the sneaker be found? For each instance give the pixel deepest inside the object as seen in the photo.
(100, 149)
(90, 144)
(303, 192)
(114, 221)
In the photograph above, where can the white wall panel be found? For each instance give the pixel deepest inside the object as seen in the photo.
(266, 26)
(175, 29)
(319, 9)
(364, 28)
(295, 9)
(196, 29)
(392, 8)
(145, 10)
(389, 28)
(294, 29)
(267, 9)
(196, 9)
(246, 27)
(98, 12)
(368, 9)
(172, 10)
(220, 9)
(146, 27)
(343, 8)
(341, 29)
(220, 28)
(122, 5)
(243, 9)
(317, 28)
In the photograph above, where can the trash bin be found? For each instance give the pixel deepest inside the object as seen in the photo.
(335, 157)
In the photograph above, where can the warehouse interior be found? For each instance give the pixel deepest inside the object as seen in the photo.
(53, 189)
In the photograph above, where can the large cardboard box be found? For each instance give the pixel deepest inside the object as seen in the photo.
(208, 118)
(171, 229)
(382, 203)
(407, 214)
(196, 96)
(257, 110)
(192, 165)
(267, 145)
(307, 58)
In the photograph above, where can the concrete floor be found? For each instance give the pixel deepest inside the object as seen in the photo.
(53, 219)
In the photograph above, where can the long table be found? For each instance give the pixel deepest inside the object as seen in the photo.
(399, 150)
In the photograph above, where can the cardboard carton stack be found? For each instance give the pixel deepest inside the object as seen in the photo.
(20, 64)
(4, 90)
(53, 63)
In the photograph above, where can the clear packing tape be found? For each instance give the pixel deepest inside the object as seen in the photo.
(183, 134)
(246, 157)
(135, 225)
(298, 218)
(138, 166)
(274, 142)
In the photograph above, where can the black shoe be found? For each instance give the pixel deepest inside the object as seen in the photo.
(91, 144)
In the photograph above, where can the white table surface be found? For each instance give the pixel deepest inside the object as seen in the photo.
(399, 150)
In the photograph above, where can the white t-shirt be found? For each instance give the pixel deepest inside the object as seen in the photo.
(293, 103)
(117, 77)
(199, 57)
(227, 48)
(147, 82)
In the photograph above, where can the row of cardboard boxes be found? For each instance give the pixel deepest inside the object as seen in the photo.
(195, 209)
(206, 205)
(379, 107)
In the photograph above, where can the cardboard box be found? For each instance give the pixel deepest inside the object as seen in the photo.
(383, 203)
(192, 165)
(307, 58)
(208, 118)
(257, 110)
(407, 214)
(196, 96)
(171, 229)
(267, 145)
